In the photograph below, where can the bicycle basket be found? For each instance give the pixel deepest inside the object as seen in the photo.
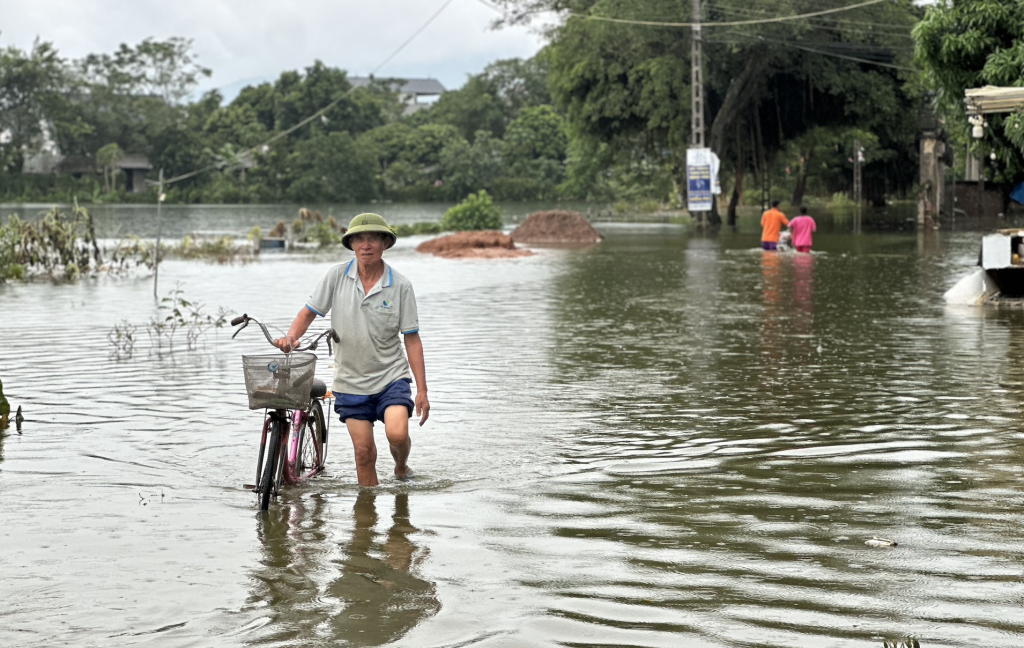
(279, 381)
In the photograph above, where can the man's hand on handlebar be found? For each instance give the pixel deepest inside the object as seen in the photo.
(286, 343)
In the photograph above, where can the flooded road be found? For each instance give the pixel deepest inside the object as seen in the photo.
(664, 440)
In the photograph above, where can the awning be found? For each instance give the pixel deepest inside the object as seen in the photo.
(993, 99)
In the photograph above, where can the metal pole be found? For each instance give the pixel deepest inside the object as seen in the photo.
(697, 82)
(857, 181)
(159, 202)
(697, 89)
(981, 185)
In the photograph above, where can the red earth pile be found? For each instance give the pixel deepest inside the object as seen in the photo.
(473, 245)
(556, 228)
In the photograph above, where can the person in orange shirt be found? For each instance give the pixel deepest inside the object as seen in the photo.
(771, 222)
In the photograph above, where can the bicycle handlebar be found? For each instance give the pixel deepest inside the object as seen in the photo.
(244, 320)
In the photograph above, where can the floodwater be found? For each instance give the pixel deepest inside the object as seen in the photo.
(668, 439)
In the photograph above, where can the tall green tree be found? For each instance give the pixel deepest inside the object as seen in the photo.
(627, 85)
(330, 167)
(491, 100)
(963, 44)
(34, 91)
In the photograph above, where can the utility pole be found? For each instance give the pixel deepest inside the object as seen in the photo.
(697, 89)
(697, 83)
(857, 180)
(159, 203)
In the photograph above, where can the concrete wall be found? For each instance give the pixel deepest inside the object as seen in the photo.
(992, 203)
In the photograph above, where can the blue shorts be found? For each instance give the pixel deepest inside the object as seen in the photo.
(769, 245)
(371, 408)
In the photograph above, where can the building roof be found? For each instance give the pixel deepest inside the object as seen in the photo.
(405, 86)
(134, 161)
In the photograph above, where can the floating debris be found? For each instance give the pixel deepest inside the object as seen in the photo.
(880, 542)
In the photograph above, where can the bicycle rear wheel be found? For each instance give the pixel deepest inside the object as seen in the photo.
(271, 467)
(312, 443)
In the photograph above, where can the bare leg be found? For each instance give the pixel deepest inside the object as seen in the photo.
(396, 427)
(365, 450)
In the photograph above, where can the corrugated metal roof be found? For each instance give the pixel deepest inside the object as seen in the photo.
(993, 99)
(407, 86)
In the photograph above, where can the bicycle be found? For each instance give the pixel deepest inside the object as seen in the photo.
(287, 389)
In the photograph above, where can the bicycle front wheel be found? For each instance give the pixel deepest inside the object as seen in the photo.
(312, 442)
(271, 467)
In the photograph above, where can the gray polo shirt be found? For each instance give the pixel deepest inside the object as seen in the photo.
(370, 355)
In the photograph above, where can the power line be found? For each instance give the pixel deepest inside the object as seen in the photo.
(851, 58)
(323, 110)
(845, 25)
(796, 45)
(735, 23)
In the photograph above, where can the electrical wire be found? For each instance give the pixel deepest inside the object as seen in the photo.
(734, 23)
(323, 110)
(796, 45)
(845, 25)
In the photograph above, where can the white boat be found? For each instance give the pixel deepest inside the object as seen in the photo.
(1000, 275)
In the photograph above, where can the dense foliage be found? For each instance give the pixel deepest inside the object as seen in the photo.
(256, 148)
(776, 92)
(963, 44)
(602, 113)
(476, 212)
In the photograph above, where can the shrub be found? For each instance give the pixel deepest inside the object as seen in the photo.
(59, 245)
(323, 234)
(476, 212)
(418, 228)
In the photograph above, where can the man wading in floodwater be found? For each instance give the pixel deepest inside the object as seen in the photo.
(370, 304)
(771, 222)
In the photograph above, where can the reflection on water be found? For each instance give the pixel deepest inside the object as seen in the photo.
(378, 581)
(361, 591)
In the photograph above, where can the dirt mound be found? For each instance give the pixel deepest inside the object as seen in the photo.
(556, 227)
(473, 245)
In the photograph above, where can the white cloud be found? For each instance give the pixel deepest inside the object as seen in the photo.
(258, 39)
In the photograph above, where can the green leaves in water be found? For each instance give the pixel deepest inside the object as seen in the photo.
(5, 408)
(906, 643)
(5, 412)
(61, 245)
(174, 314)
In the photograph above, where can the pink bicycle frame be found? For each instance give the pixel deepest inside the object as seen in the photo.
(291, 474)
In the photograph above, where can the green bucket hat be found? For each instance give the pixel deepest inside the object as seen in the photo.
(369, 223)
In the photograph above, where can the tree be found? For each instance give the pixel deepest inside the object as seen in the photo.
(34, 89)
(466, 167)
(969, 44)
(492, 99)
(627, 85)
(330, 167)
(824, 156)
(108, 157)
(535, 148)
(132, 95)
(165, 69)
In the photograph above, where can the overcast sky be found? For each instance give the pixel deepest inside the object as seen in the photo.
(249, 41)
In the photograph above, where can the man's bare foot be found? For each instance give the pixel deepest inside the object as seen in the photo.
(404, 474)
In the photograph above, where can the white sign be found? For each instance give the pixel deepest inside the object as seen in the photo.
(701, 179)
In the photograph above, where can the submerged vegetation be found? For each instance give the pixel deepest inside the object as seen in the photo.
(175, 314)
(58, 245)
(62, 246)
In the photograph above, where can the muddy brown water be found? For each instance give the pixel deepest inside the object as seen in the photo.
(664, 440)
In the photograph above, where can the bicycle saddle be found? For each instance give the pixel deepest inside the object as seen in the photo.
(318, 390)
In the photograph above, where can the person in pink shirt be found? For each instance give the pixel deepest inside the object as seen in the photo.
(801, 227)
